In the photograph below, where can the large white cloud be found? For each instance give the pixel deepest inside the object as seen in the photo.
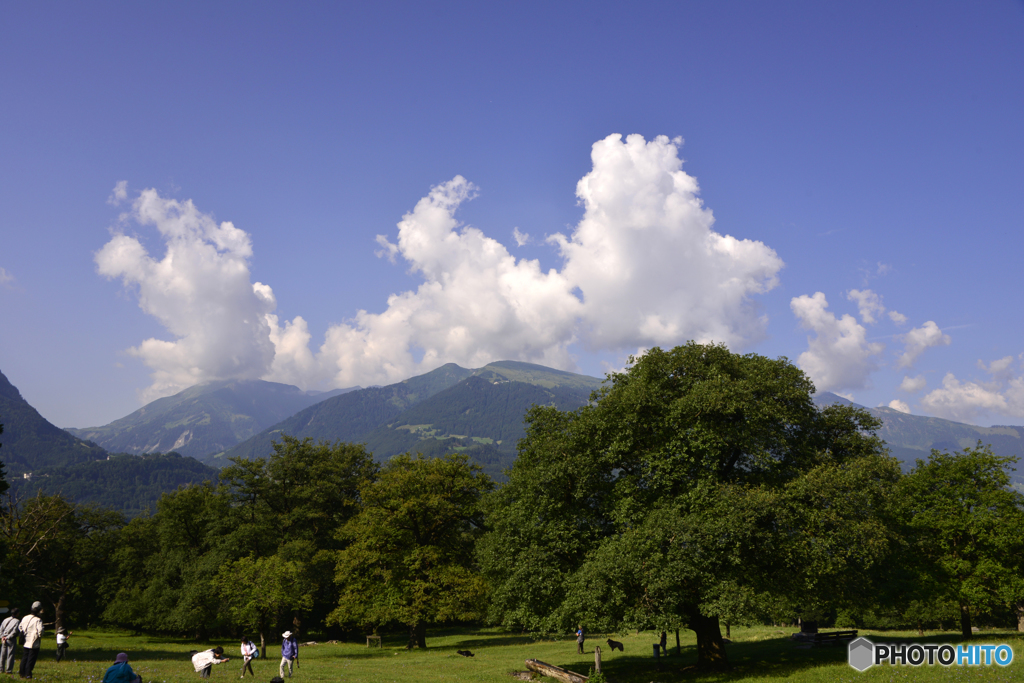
(968, 401)
(200, 291)
(839, 355)
(642, 268)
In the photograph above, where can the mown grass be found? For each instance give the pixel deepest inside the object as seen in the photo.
(756, 654)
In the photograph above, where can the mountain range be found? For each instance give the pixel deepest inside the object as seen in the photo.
(203, 419)
(478, 412)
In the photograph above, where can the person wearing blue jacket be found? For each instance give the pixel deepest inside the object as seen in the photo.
(289, 652)
(121, 671)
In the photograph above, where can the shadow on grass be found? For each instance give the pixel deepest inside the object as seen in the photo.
(770, 658)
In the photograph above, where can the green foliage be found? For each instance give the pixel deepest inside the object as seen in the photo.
(258, 591)
(699, 476)
(58, 552)
(409, 553)
(967, 527)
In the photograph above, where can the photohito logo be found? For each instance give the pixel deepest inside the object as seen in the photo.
(864, 654)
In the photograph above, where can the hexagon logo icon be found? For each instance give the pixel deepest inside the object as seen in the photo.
(861, 654)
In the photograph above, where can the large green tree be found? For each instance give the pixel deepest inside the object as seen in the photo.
(58, 553)
(967, 526)
(697, 475)
(292, 504)
(409, 554)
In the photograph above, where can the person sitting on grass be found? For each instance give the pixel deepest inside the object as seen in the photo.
(121, 671)
(204, 661)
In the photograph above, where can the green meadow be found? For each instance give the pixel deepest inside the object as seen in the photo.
(756, 654)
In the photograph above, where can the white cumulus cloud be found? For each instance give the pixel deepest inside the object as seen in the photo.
(5, 276)
(968, 401)
(199, 290)
(899, 405)
(897, 317)
(839, 355)
(920, 339)
(643, 267)
(521, 238)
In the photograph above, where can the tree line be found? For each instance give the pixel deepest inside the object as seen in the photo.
(698, 488)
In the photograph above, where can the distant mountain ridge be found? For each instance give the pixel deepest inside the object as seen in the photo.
(204, 419)
(912, 437)
(451, 408)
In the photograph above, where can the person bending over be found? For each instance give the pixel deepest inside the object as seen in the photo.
(204, 661)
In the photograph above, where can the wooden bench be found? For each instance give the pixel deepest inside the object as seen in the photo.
(377, 638)
(833, 638)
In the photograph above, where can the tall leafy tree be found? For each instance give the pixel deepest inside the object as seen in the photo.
(260, 590)
(168, 565)
(692, 478)
(292, 505)
(409, 556)
(58, 552)
(968, 527)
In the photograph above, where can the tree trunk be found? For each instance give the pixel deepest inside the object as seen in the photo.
(1020, 616)
(263, 645)
(417, 636)
(965, 622)
(58, 612)
(920, 629)
(710, 648)
(728, 630)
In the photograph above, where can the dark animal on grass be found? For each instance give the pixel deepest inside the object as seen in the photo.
(465, 653)
(614, 644)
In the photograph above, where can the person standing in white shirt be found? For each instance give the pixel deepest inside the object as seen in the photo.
(32, 628)
(62, 643)
(248, 648)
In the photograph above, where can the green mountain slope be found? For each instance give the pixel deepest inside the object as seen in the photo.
(461, 419)
(129, 483)
(30, 442)
(910, 437)
(481, 416)
(348, 417)
(203, 419)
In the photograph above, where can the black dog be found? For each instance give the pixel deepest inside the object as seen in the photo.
(613, 644)
(465, 653)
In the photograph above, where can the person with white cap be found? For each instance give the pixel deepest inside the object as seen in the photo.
(32, 628)
(289, 652)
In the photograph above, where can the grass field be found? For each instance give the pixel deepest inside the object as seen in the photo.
(757, 654)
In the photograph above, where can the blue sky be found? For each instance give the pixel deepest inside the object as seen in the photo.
(869, 152)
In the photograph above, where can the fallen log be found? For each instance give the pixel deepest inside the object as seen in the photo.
(557, 672)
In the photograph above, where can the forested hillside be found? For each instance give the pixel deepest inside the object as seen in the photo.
(348, 417)
(30, 442)
(130, 484)
(480, 417)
